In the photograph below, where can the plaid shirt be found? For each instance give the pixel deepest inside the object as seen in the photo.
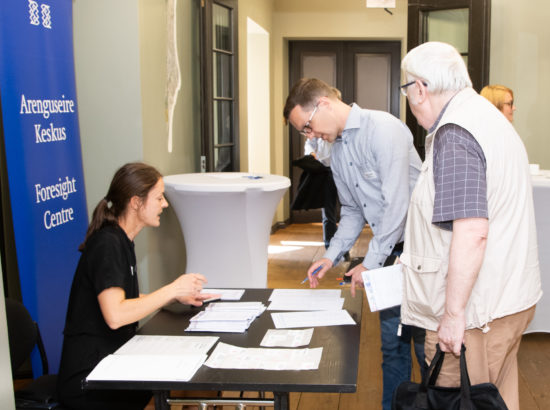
(459, 176)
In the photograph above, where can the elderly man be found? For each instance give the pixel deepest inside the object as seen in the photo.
(470, 256)
(375, 166)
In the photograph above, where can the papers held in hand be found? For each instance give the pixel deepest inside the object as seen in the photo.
(384, 287)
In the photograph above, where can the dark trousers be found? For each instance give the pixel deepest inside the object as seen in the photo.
(329, 211)
(396, 350)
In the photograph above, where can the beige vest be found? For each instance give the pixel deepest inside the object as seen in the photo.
(509, 279)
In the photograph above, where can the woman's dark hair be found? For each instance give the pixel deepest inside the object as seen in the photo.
(133, 179)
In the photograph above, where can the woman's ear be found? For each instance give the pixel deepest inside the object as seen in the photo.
(135, 202)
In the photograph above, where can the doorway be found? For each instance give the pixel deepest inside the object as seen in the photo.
(366, 72)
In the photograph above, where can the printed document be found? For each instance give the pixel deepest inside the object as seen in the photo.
(384, 287)
(312, 319)
(227, 356)
(287, 338)
(297, 303)
(147, 367)
(167, 345)
(305, 293)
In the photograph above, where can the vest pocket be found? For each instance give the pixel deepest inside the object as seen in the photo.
(421, 264)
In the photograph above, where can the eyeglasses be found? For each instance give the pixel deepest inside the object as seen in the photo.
(307, 127)
(403, 88)
(510, 103)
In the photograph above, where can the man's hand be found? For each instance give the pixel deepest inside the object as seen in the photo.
(314, 279)
(451, 333)
(356, 277)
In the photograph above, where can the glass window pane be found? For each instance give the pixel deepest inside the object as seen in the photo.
(221, 27)
(449, 26)
(222, 159)
(222, 73)
(372, 81)
(319, 66)
(223, 122)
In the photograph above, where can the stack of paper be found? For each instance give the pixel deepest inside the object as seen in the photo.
(155, 358)
(226, 294)
(233, 317)
(147, 367)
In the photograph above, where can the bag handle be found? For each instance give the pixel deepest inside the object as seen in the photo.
(421, 400)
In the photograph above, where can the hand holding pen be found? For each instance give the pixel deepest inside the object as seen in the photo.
(316, 271)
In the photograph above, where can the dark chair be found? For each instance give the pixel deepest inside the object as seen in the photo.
(23, 334)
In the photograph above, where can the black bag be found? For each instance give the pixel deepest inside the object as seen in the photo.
(428, 396)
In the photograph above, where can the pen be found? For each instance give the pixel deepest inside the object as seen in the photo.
(313, 274)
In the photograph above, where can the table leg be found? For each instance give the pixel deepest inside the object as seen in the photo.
(160, 400)
(281, 401)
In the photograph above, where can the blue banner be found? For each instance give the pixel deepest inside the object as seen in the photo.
(43, 157)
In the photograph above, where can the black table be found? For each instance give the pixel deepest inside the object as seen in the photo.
(337, 371)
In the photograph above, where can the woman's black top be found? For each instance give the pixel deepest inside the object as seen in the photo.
(108, 260)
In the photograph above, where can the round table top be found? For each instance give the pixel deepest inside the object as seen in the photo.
(542, 178)
(225, 182)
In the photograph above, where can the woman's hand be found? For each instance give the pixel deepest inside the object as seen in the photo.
(187, 289)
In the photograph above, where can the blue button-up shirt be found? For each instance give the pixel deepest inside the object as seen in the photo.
(375, 167)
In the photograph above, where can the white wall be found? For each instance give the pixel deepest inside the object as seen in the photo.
(107, 69)
(520, 59)
(259, 137)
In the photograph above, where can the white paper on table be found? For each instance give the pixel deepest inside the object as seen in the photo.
(257, 307)
(287, 338)
(227, 294)
(312, 319)
(227, 356)
(297, 303)
(219, 327)
(167, 345)
(223, 316)
(305, 293)
(384, 287)
(147, 367)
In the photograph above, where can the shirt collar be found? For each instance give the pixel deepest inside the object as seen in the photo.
(354, 119)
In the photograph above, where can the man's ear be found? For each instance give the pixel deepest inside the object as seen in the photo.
(326, 102)
(421, 90)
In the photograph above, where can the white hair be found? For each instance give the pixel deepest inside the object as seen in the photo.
(439, 65)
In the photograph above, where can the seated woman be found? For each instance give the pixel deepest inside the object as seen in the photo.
(105, 304)
(502, 97)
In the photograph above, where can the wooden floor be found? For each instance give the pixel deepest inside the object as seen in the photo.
(292, 251)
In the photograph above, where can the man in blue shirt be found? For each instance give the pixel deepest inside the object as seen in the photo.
(375, 167)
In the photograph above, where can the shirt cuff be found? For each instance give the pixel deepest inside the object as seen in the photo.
(374, 260)
(335, 255)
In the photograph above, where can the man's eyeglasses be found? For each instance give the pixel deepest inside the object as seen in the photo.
(307, 128)
(403, 88)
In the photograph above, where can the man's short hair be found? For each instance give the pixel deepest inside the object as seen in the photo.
(438, 64)
(306, 92)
